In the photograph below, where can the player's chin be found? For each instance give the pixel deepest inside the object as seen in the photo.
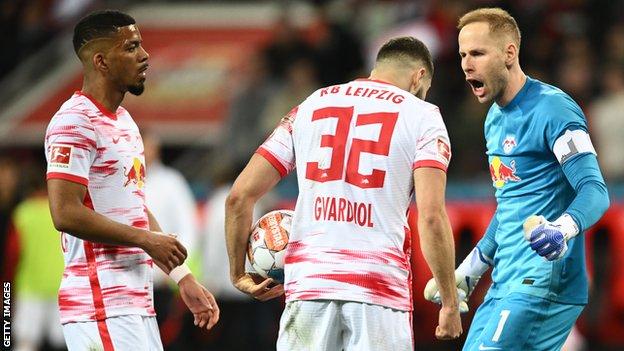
(483, 96)
(136, 89)
(483, 99)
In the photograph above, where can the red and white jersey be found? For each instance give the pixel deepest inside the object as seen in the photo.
(355, 147)
(89, 145)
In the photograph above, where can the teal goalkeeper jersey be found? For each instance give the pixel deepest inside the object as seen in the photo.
(528, 141)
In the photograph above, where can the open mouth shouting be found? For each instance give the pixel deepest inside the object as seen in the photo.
(478, 87)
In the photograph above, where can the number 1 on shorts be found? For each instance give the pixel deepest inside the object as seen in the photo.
(501, 323)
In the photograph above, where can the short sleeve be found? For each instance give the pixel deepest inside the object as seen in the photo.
(433, 147)
(70, 148)
(566, 130)
(278, 149)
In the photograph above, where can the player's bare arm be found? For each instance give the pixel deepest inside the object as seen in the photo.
(196, 297)
(155, 227)
(436, 240)
(258, 177)
(70, 215)
(469, 272)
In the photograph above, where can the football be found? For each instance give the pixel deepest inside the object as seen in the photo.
(267, 244)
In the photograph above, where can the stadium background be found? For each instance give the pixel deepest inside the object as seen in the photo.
(222, 73)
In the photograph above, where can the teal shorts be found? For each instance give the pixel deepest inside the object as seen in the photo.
(521, 322)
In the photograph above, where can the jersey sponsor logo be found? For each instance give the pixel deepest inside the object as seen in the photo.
(509, 143)
(501, 173)
(60, 155)
(338, 209)
(136, 174)
(444, 150)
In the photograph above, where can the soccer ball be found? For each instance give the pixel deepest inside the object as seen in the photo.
(267, 244)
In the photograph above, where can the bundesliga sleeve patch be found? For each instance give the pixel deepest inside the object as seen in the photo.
(288, 120)
(444, 150)
(571, 143)
(60, 155)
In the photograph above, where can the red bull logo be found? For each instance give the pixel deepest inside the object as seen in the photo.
(501, 173)
(136, 174)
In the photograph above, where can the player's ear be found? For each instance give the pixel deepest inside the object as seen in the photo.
(511, 54)
(99, 61)
(417, 76)
(419, 80)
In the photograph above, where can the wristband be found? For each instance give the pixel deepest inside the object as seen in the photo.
(475, 264)
(568, 226)
(179, 272)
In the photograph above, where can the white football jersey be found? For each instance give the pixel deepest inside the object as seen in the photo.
(103, 151)
(355, 147)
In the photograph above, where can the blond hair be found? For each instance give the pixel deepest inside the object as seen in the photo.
(499, 21)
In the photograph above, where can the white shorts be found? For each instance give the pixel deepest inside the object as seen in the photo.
(343, 325)
(131, 332)
(35, 319)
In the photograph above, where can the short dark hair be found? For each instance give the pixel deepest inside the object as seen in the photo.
(406, 48)
(99, 24)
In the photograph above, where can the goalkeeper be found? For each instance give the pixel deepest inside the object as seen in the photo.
(546, 176)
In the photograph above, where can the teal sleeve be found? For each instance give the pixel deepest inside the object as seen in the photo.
(561, 113)
(592, 198)
(487, 245)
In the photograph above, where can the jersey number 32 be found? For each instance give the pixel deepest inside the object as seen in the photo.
(338, 143)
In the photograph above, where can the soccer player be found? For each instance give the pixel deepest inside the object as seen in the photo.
(361, 149)
(96, 179)
(542, 162)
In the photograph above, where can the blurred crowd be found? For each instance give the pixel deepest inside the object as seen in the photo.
(576, 45)
(28, 25)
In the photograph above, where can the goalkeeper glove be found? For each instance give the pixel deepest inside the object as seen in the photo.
(467, 276)
(550, 239)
